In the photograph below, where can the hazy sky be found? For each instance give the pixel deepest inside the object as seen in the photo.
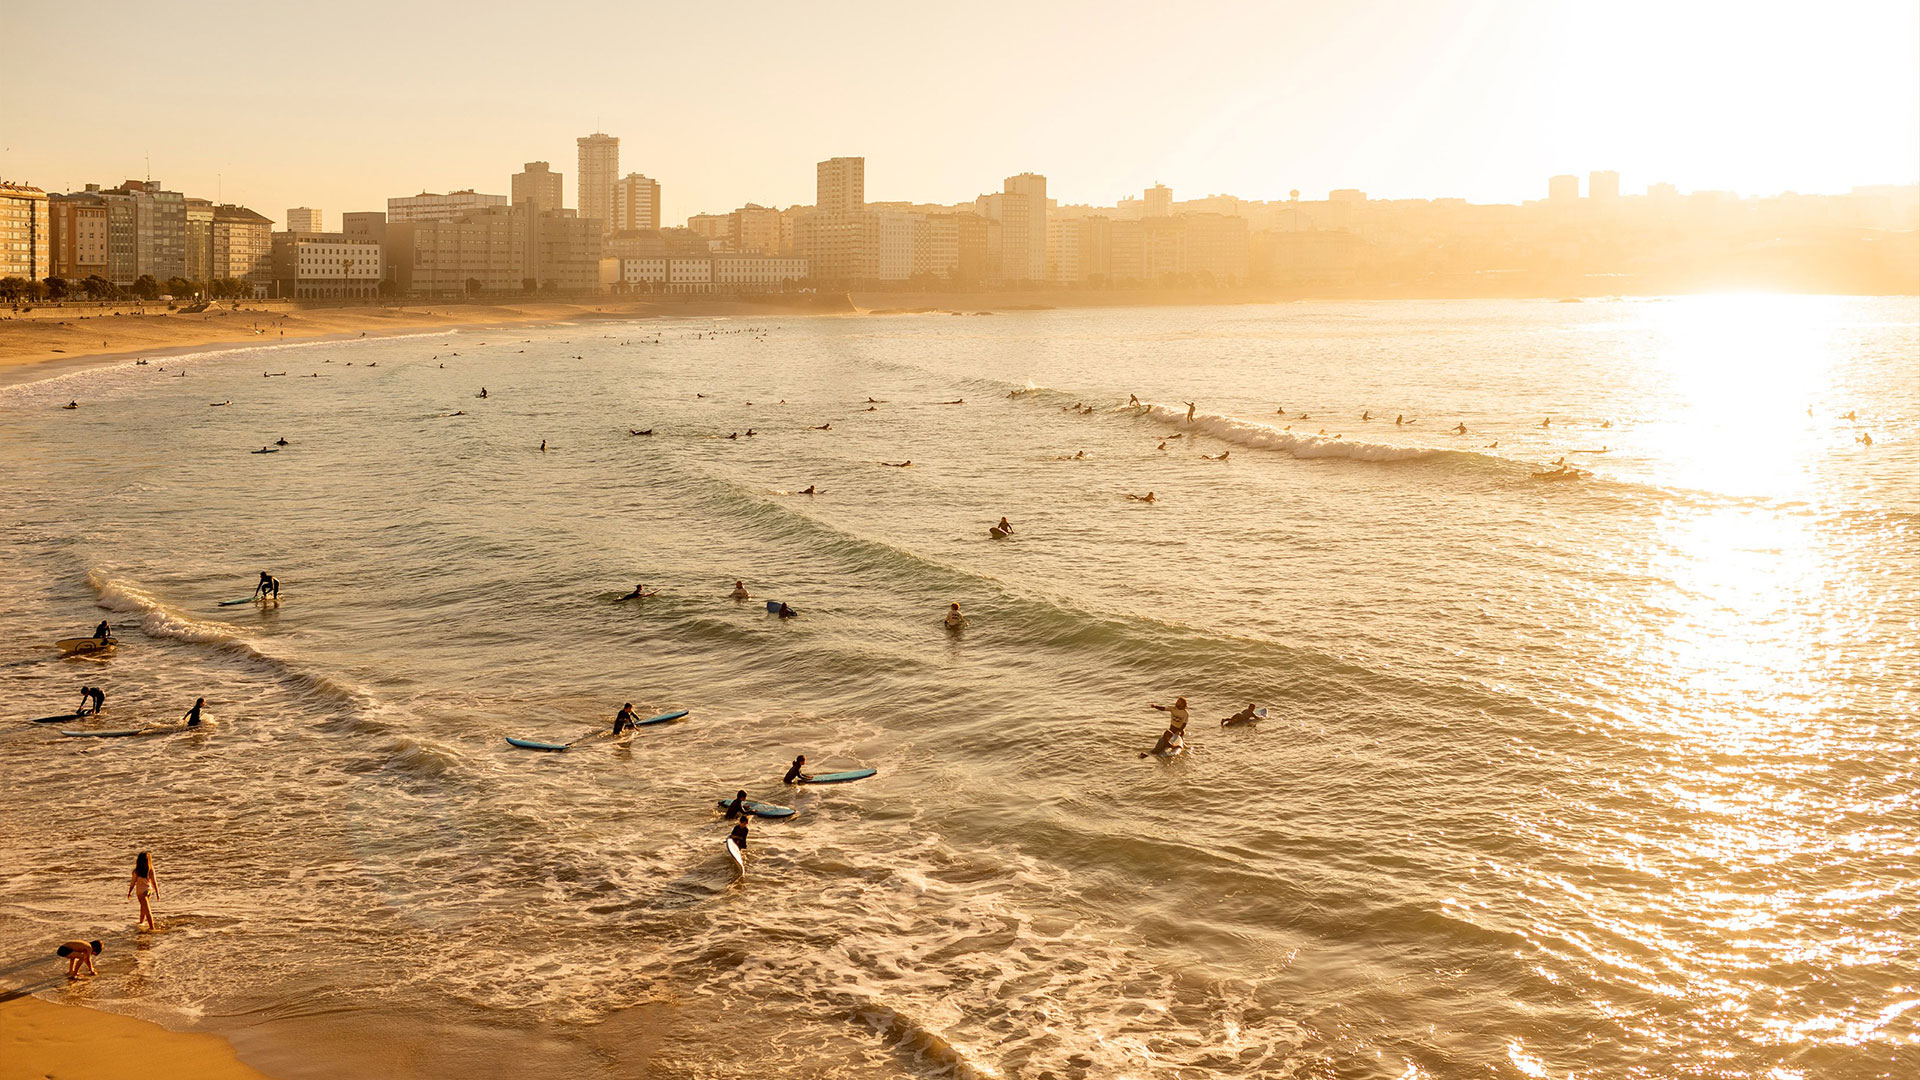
(340, 105)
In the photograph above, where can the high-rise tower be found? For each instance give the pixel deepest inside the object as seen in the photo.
(599, 168)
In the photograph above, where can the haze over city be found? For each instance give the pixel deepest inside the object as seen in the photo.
(345, 105)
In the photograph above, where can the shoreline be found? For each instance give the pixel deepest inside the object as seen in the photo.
(40, 1038)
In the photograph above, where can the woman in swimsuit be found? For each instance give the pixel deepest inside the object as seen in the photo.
(142, 884)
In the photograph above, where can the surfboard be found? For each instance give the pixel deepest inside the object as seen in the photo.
(663, 718)
(760, 809)
(739, 858)
(839, 777)
(85, 644)
(266, 450)
(109, 734)
(61, 719)
(535, 744)
(1179, 747)
(234, 603)
(773, 605)
(998, 533)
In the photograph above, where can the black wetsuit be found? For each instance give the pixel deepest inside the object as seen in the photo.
(739, 834)
(793, 774)
(738, 807)
(101, 632)
(193, 716)
(623, 720)
(98, 697)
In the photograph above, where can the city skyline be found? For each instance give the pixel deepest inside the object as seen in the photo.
(1471, 100)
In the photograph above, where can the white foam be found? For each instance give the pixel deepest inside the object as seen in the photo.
(1267, 437)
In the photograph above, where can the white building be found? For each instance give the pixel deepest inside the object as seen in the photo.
(449, 207)
(326, 266)
(304, 219)
(893, 245)
(710, 273)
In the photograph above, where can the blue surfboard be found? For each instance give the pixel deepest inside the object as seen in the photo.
(663, 718)
(534, 744)
(760, 809)
(839, 777)
(235, 603)
(773, 605)
(596, 736)
(106, 734)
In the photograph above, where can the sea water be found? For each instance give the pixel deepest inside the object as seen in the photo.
(1602, 776)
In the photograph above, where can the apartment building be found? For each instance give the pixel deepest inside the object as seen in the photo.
(79, 234)
(304, 219)
(26, 237)
(325, 266)
(427, 206)
(636, 203)
(537, 183)
(199, 240)
(710, 273)
(241, 247)
(1023, 223)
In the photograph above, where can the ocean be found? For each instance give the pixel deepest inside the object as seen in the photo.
(1611, 775)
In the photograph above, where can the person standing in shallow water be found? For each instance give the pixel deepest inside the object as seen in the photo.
(143, 884)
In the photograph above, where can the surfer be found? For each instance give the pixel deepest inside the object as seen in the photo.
(954, 619)
(639, 593)
(794, 775)
(143, 883)
(281, 441)
(733, 434)
(1222, 456)
(543, 446)
(623, 720)
(1133, 401)
(1865, 439)
(1462, 429)
(71, 405)
(808, 490)
(955, 401)
(79, 954)
(192, 716)
(739, 590)
(1189, 412)
(1547, 423)
(1176, 714)
(630, 431)
(786, 612)
(739, 833)
(876, 401)
(95, 695)
(738, 807)
(897, 464)
(1245, 715)
(1162, 446)
(483, 391)
(101, 632)
(1148, 497)
(1005, 527)
(822, 427)
(751, 433)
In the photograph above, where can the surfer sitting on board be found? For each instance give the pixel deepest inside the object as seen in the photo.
(786, 612)
(1176, 714)
(739, 590)
(954, 619)
(794, 775)
(1004, 526)
(101, 632)
(739, 833)
(738, 807)
(623, 720)
(1241, 717)
(1169, 741)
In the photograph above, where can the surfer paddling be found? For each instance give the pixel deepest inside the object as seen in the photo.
(640, 593)
(1245, 716)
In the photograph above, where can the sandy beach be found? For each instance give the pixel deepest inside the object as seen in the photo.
(40, 1040)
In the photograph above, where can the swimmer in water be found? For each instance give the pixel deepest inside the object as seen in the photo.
(739, 590)
(1547, 423)
(1366, 416)
(1461, 430)
(1162, 446)
(808, 490)
(1147, 498)
(954, 619)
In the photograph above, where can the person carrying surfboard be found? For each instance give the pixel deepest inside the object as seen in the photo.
(623, 720)
(794, 775)
(738, 807)
(739, 833)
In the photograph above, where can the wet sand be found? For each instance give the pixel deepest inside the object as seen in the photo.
(39, 1039)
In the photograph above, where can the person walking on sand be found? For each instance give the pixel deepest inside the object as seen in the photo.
(1176, 715)
(79, 954)
(144, 883)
